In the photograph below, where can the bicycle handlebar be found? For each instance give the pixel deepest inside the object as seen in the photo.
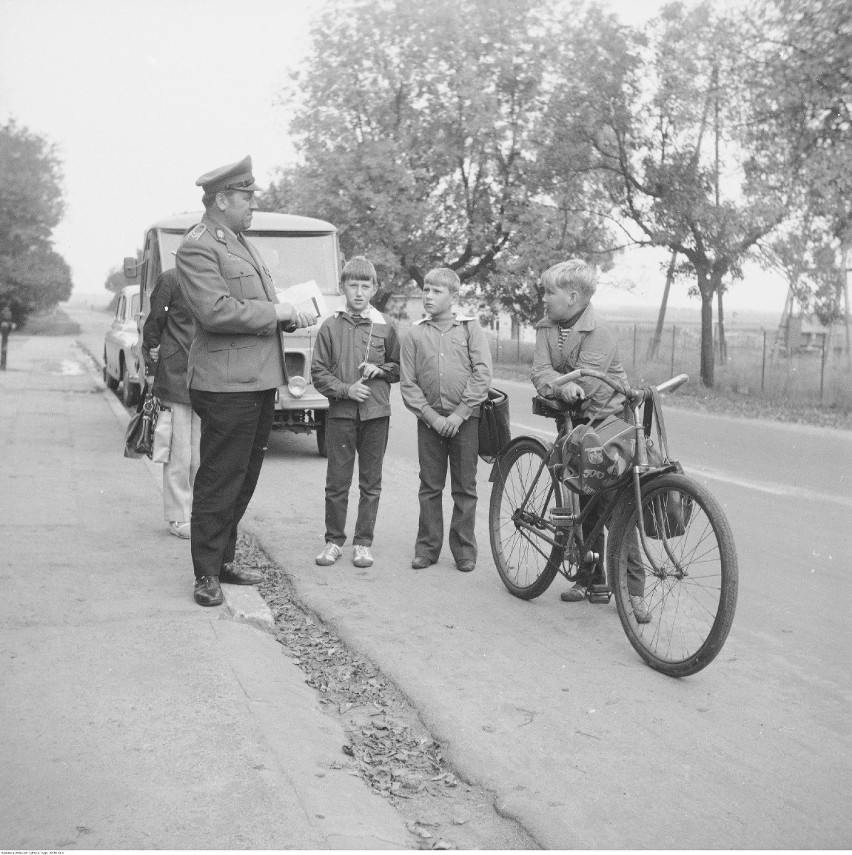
(631, 394)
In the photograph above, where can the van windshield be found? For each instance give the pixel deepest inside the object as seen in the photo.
(292, 258)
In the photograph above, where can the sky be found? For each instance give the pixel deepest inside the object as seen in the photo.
(140, 97)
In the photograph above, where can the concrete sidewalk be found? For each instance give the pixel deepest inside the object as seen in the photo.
(131, 717)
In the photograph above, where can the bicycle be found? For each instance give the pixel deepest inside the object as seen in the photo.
(686, 546)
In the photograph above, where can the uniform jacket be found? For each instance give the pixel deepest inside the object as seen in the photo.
(342, 345)
(170, 325)
(590, 343)
(237, 344)
(445, 372)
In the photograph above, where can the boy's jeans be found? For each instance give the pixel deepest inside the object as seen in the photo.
(343, 438)
(435, 452)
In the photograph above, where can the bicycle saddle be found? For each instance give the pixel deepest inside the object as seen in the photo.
(554, 408)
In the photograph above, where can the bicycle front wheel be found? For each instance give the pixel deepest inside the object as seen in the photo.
(682, 583)
(521, 499)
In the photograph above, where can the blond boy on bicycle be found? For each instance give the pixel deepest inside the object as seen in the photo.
(571, 336)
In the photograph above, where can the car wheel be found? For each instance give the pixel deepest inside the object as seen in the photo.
(111, 382)
(129, 390)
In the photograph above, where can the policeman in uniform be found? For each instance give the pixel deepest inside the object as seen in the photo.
(236, 362)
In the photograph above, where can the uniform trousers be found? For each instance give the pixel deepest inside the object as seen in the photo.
(345, 437)
(235, 429)
(184, 455)
(435, 452)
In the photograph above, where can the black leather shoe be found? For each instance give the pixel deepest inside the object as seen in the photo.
(465, 566)
(231, 574)
(208, 591)
(420, 561)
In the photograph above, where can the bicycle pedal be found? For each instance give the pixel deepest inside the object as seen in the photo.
(599, 594)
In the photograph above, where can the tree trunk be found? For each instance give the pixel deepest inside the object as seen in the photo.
(707, 367)
(654, 345)
(723, 344)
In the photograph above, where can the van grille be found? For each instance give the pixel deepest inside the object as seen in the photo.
(295, 364)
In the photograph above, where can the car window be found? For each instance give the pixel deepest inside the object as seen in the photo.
(134, 306)
(119, 309)
(291, 258)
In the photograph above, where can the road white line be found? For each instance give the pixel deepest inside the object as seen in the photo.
(772, 488)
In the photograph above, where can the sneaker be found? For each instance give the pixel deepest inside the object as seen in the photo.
(640, 610)
(329, 555)
(574, 594)
(361, 556)
(179, 529)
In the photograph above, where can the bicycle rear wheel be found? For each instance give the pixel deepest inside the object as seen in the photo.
(521, 499)
(687, 579)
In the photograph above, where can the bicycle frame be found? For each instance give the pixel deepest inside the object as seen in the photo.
(535, 529)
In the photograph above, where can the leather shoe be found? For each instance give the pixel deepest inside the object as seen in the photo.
(465, 566)
(208, 591)
(420, 561)
(232, 574)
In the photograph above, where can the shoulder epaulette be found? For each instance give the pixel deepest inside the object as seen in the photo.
(422, 320)
(196, 233)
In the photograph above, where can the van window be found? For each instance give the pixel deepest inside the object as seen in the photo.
(292, 258)
(134, 306)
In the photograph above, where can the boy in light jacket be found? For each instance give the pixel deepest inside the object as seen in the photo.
(446, 373)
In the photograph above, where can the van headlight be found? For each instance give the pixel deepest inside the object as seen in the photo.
(296, 386)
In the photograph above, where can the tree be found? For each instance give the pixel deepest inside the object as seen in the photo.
(691, 160)
(419, 127)
(808, 72)
(33, 277)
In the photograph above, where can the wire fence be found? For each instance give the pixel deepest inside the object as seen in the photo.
(746, 365)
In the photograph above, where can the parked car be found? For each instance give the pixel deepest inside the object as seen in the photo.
(121, 355)
(303, 257)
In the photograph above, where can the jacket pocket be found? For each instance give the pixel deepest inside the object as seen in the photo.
(243, 281)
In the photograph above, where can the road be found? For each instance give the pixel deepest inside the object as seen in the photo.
(547, 704)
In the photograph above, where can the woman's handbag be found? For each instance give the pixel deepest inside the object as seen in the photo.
(162, 436)
(139, 439)
(494, 431)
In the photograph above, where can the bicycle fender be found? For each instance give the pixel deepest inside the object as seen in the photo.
(495, 467)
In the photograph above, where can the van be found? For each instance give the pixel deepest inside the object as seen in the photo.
(303, 256)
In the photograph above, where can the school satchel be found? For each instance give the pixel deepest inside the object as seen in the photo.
(672, 513)
(139, 438)
(494, 431)
(596, 457)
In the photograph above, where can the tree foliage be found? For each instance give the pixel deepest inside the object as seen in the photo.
(676, 123)
(33, 277)
(809, 70)
(419, 126)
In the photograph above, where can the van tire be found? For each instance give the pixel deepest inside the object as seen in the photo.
(321, 445)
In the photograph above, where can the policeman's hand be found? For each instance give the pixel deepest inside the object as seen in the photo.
(359, 391)
(454, 422)
(368, 370)
(305, 319)
(571, 392)
(154, 353)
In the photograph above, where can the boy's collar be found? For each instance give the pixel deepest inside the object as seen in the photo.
(455, 318)
(372, 314)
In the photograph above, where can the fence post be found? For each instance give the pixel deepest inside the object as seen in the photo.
(763, 364)
(634, 345)
(518, 357)
(674, 335)
(822, 370)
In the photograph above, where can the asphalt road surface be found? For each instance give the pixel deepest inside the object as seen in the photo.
(548, 705)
